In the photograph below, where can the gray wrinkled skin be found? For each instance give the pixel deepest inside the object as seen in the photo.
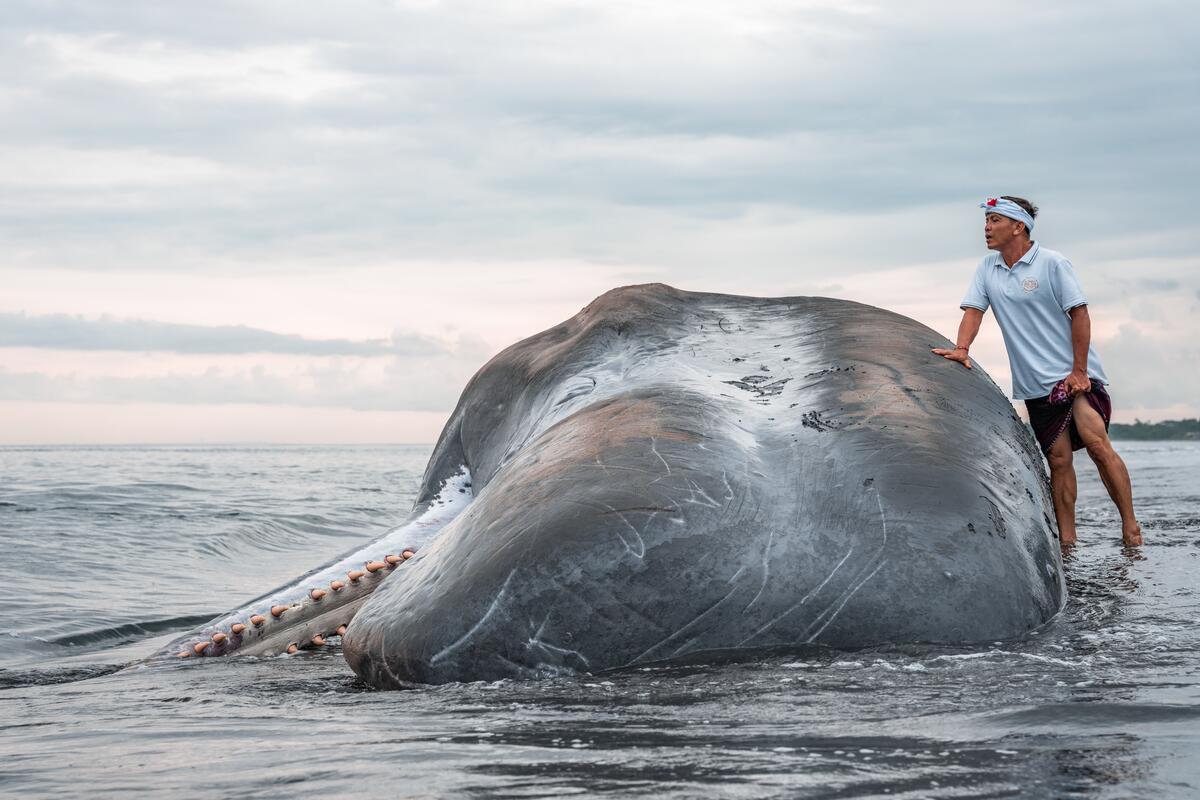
(671, 473)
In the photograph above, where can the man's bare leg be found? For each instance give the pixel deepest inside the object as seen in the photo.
(1112, 469)
(1062, 487)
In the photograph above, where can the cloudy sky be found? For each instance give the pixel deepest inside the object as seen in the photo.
(269, 221)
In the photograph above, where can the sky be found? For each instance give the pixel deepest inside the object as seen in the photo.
(312, 223)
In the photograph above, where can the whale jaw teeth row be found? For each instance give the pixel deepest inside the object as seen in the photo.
(262, 626)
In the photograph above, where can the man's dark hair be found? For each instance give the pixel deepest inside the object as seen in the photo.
(1025, 204)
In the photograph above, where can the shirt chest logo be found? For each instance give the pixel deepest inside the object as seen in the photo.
(1030, 285)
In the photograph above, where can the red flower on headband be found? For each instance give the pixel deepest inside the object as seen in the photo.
(991, 201)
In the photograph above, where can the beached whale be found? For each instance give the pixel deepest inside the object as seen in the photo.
(673, 473)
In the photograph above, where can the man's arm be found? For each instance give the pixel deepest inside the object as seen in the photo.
(968, 329)
(1081, 337)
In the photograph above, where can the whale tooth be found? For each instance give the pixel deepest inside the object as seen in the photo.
(317, 594)
(292, 648)
(258, 619)
(277, 611)
(336, 585)
(375, 566)
(237, 628)
(318, 641)
(341, 631)
(354, 574)
(408, 553)
(392, 560)
(218, 637)
(200, 647)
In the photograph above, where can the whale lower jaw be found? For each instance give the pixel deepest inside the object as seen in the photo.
(321, 604)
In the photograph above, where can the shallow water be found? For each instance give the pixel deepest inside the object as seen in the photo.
(109, 552)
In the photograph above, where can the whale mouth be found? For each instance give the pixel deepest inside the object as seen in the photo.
(321, 604)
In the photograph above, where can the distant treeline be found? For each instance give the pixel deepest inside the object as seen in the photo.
(1170, 429)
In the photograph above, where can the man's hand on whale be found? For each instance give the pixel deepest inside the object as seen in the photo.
(958, 354)
(968, 329)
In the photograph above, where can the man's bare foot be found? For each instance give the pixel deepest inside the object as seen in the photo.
(1133, 537)
(1066, 539)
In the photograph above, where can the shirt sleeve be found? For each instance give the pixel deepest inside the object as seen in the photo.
(1066, 286)
(977, 292)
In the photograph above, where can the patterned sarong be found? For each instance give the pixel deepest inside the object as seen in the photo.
(1052, 414)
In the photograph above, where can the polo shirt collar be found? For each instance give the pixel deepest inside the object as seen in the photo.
(1030, 254)
(1028, 258)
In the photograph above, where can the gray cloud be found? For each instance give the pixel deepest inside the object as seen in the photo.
(69, 332)
(334, 388)
(497, 131)
(427, 382)
(785, 142)
(1150, 373)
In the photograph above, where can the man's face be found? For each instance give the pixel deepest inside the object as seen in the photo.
(999, 230)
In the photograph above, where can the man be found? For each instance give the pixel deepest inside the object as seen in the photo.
(1044, 319)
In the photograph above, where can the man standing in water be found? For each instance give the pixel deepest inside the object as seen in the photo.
(1044, 319)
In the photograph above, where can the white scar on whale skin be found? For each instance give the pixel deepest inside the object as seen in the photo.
(800, 602)
(323, 602)
(766, 570)
(535, 640)
(466, 637)
(845, 598)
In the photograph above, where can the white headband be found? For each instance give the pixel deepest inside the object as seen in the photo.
(1007, 208)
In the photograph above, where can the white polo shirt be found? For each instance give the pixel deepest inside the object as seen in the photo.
(1031, 301)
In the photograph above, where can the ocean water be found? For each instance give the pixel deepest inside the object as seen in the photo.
(109, 552)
